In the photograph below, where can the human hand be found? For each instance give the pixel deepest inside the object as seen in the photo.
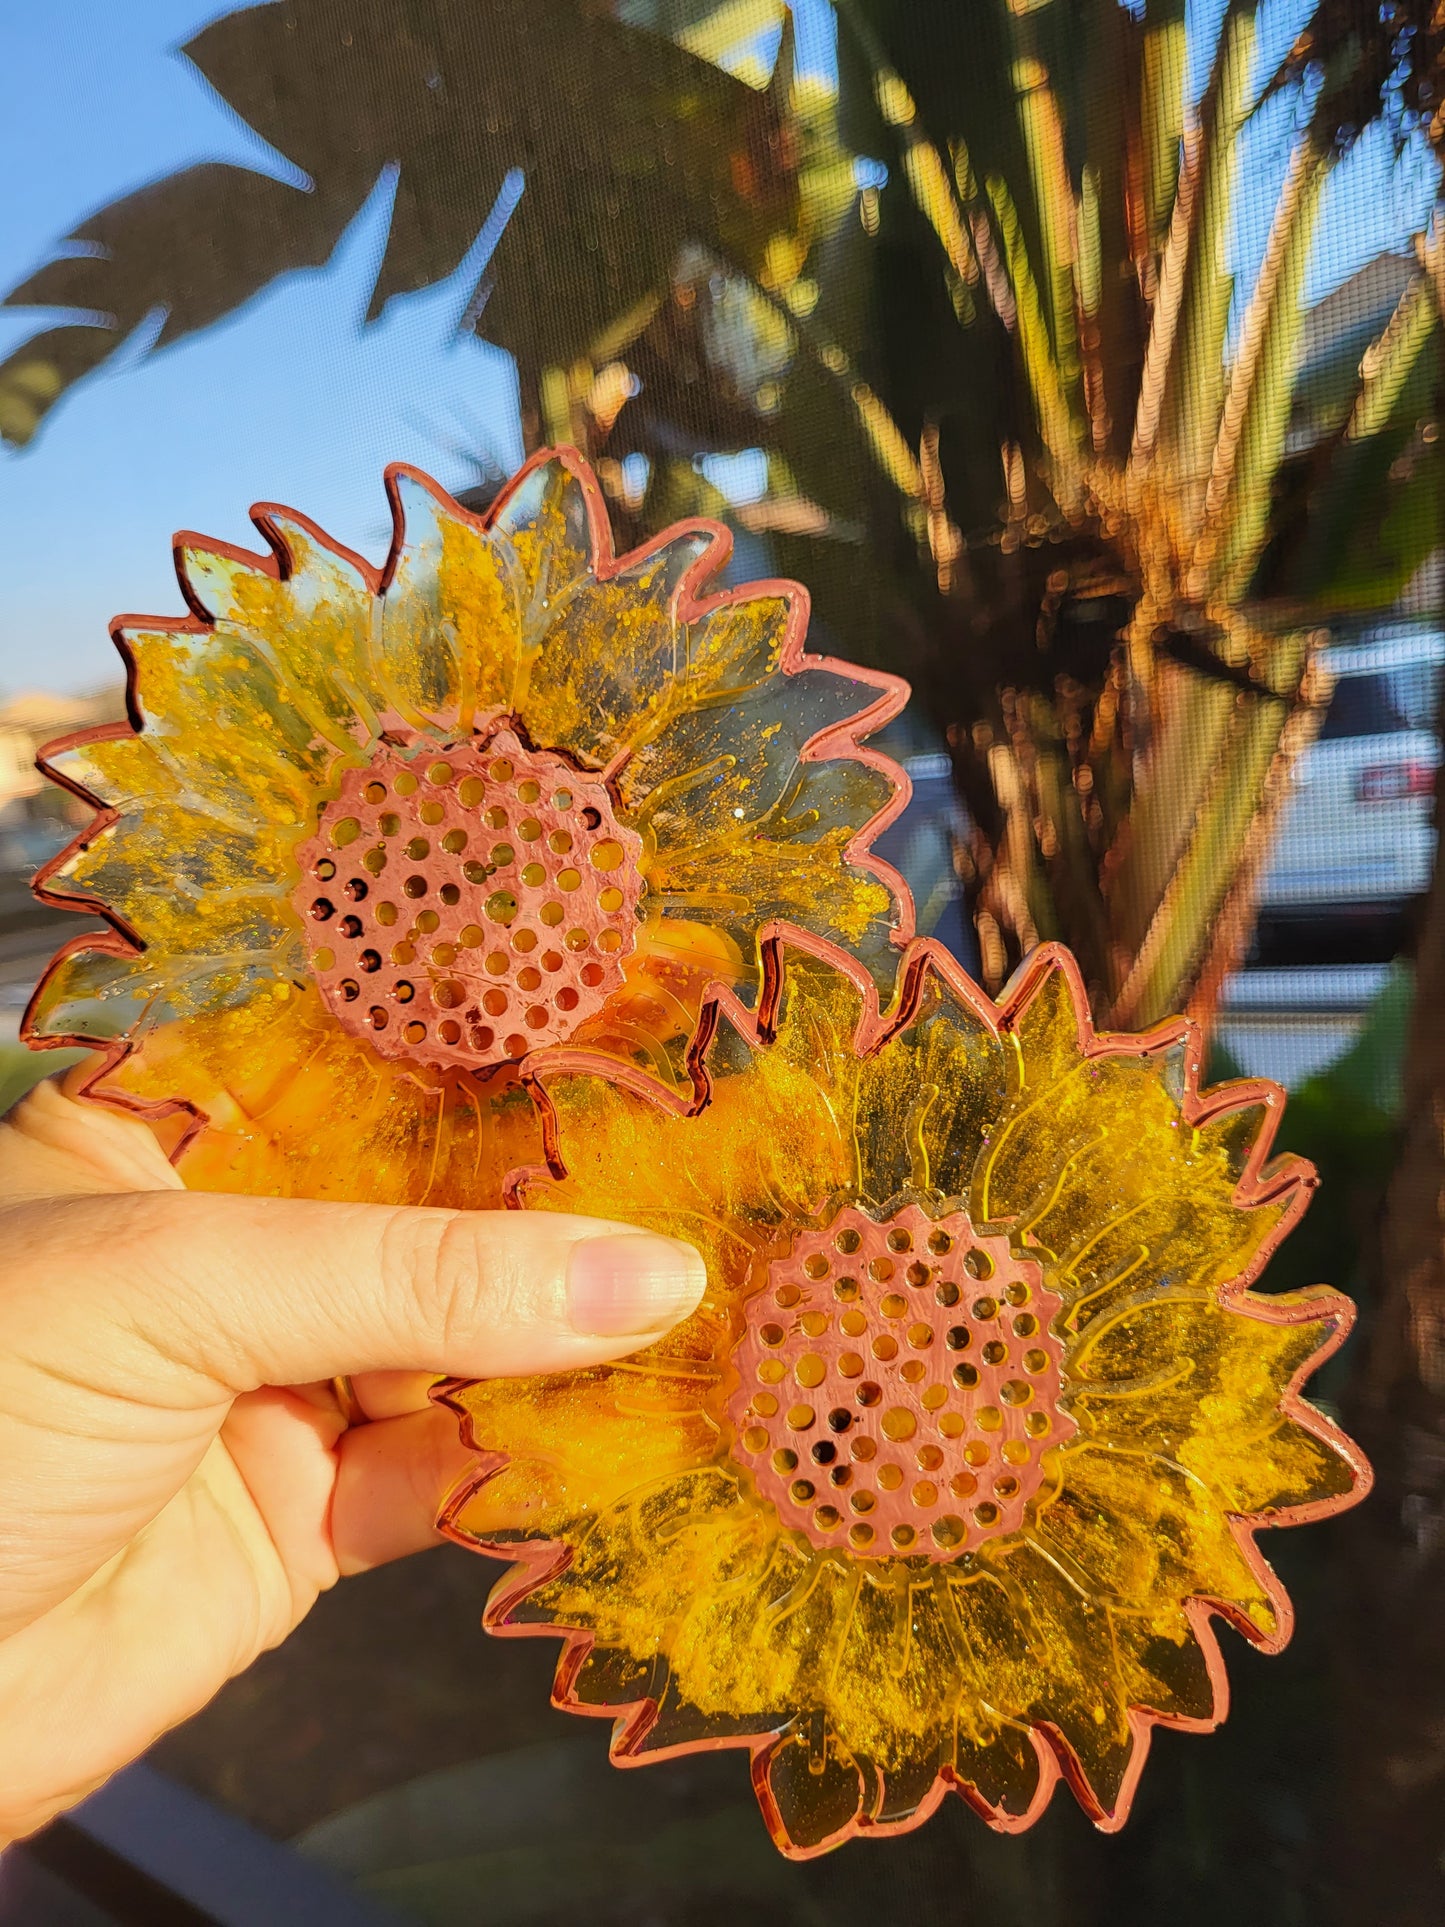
(177, 1480)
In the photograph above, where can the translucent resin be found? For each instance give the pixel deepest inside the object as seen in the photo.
(381, 839)
(972, 1435)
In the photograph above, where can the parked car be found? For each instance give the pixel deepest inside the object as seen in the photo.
(1356, 834)
(1352, 855)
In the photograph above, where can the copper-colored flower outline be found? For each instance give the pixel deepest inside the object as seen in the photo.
(1263, 1181)
(183, 1120)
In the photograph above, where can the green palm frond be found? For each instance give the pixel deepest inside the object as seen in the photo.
(1182, 390)
(454, 101)
(1250, 443)
(1165, 58)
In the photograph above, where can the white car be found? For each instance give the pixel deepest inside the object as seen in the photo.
(1353, 850)
(1357, 829)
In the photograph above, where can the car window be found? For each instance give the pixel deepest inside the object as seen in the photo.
(1376, 701)
(1416, 690)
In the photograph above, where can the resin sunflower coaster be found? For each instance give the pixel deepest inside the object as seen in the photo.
(973, 1432)
(378, 840)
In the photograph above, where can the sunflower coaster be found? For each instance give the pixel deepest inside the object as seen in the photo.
(972, 1434)
(376, 842)
(519, 873)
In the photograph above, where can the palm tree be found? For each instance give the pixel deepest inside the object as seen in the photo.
(1020, 375)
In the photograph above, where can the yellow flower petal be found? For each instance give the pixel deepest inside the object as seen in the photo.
(451, 641)
(731, 763)
(126, 773)
(1057, 1665)
(309, 611)
(221, 706)
(583, 1442)
(1202, 1382)
(613, 658)
(737, 648)
(756, 870)
(282, 1086)
(1128, 1526)
(1096, 1162)
(216, 896)
(105, 994)
(545, 513)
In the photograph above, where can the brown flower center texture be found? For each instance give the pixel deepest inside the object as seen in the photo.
(465, 905)
(900, 1385)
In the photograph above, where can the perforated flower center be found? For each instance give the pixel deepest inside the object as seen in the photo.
(900, 1385)
(465, 905)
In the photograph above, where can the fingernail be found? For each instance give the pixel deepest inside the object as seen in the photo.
(635, 1282)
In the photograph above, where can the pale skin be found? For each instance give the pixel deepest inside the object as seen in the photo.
(178, 1481)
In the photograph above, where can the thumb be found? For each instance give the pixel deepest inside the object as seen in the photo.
(180, 1298)
(131, 1319)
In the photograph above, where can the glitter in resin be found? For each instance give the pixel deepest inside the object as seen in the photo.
(695, 733)
(900, 1385)
(850, 1169)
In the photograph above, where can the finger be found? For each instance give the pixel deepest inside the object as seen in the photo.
(390, 1394)
(50, 1146)
(391, 1478)
(283, 1447)
(182, 1298)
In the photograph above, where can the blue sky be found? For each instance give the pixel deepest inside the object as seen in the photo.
(1373, 201)
(291, 399)
(288, 400)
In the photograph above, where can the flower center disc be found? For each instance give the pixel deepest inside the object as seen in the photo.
(900, 1385)
(464, 905)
